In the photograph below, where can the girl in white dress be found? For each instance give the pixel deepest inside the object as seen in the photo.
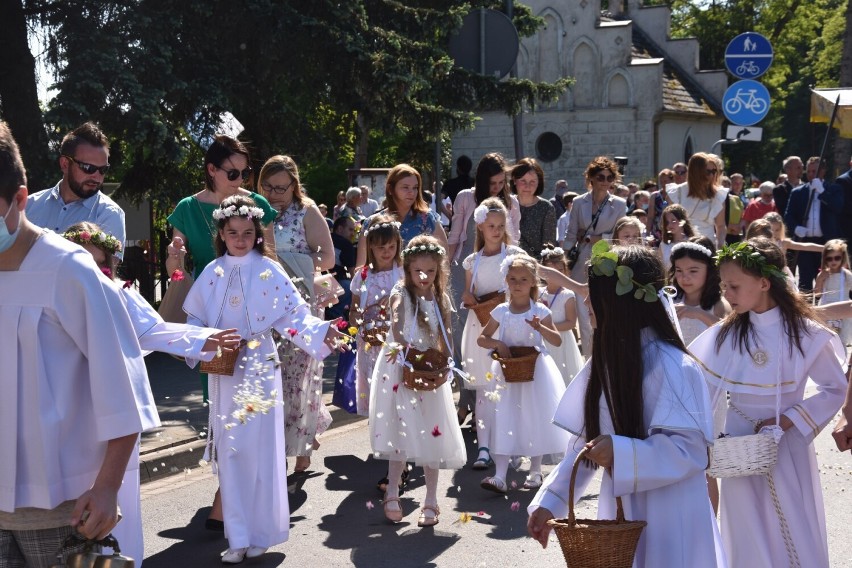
(416, 425)
(562, 304)
(763, 355)
(247, 291)
(522, 425)
(482, 276)
(371, 287)
(645, 417)
(834, 282)
(154, 334)
(699, 301)
(674, 228)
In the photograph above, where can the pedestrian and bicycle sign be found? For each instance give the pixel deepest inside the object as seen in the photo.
(748, 56)
(746, 102)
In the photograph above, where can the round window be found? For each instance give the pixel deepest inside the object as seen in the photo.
(548, 147)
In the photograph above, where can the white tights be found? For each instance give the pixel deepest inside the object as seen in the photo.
(395, 475)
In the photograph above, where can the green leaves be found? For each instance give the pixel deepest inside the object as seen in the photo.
(604, 262)
(625, 280)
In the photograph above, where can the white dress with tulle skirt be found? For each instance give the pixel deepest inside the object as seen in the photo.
(567, 356)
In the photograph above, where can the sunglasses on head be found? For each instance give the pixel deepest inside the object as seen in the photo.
(834, 258)
(235, 173)
(604, 177)
(88, 169)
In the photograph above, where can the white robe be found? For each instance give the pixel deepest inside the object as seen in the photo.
(660, 479)
(750, 525)
(70, 362)
(253, 294)
(154, 334)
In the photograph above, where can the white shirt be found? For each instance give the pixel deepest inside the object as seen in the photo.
(812, 227)
(562, 226)
(369, 207)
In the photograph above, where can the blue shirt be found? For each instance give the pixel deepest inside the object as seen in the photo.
(47, 209)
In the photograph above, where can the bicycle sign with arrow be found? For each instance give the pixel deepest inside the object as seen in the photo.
(746, 102)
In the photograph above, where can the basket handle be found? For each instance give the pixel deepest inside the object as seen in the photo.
(619, 514)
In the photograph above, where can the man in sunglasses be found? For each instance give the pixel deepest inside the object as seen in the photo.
(84, 161)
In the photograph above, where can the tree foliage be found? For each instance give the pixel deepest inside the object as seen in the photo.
(310, 79)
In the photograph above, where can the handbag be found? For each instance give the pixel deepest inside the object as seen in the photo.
(574, 252)
(327, 290)
(171, 306)
(344, 395)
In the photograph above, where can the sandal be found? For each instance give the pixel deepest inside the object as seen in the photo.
(494, 484)
(391, 515)
(534, 481)
(428, 520)
(382, 484)
(483, 463)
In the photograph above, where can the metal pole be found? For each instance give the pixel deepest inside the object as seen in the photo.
(828, 133)
(518, 119)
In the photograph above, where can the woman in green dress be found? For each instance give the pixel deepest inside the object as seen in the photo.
(226, 167)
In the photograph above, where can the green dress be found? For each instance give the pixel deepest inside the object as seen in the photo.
(194, 219)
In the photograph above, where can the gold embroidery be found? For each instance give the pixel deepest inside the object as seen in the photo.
(733, 382)
(807, 418)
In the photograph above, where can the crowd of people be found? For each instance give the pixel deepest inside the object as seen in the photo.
(629, 325)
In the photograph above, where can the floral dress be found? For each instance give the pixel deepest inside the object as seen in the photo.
(306, 416)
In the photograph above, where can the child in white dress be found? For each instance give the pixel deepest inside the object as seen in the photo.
(695, 276)
(371, 287)
(562, 304)
(763, 355)
(674, 228)
(154, 335)
(413, 424)
(247, 291)
(523, 410)
(482, 276)
(833, 284)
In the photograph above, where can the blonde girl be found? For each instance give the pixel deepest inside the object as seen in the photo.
(416, 425)
(699, 303)
(522, 418)
(779, 234)
(482, 276)
(562, 303)
(628, 231)
(675, 228)
(371, 287)
(834, 282)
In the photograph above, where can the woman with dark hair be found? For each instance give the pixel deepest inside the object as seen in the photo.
(593, 218)
(226, 168)
(303, 246)
(644, 415)
(404, 201)
(538, 217)
(703, 197)
(490, 181)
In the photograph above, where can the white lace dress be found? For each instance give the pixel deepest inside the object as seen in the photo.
(409, 425)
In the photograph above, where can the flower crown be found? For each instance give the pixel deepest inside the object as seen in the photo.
(98, 238)
(417, 249)
(693, 246)
(547, 253)
(375, 226)
(749, 257)
(604, 262)
(507, 262)
(481, 212)
(241, 211)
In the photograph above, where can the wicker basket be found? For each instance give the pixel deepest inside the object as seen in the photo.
(596, 543)
(225, 364)
(487, 303)
(738, 456)
(521, 367)
(376, 325)
(429, 369)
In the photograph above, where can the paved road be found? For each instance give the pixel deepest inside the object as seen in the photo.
(337, 518)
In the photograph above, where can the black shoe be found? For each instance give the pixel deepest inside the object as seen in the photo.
(214, 525)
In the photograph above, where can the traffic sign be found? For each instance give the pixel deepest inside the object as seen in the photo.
(748, 56)
(487, 43)
(746, 102)
(744, 133)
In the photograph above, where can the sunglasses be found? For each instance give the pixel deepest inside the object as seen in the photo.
(234, 173)
(276, 188)
(837, 258)
(608, 178)
(712, 172)
(88, 169)
(680, 172)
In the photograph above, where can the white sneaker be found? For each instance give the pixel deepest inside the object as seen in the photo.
(255, 551)
(234, 556)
